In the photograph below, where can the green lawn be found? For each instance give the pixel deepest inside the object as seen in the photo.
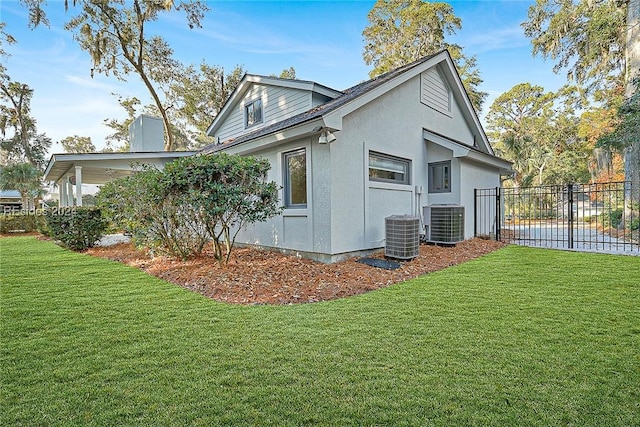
(519, 337)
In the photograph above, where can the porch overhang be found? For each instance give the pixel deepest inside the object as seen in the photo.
(100, 168)
(468, 152)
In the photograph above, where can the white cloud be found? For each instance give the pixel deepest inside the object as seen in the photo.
(498, 39)
(91, 83)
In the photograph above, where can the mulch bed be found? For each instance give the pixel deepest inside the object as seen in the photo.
(264, 277)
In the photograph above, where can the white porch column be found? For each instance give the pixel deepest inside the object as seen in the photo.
(62, 189)
(78, 185)
(69, 190)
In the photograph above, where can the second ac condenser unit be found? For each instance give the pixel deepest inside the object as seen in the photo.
(444, 223)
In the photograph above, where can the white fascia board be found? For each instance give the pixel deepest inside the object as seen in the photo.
(326, 91)
(306, 85)
(503, 165)
(71, 157)
(461, 150)
(273, 139)
(249, 79)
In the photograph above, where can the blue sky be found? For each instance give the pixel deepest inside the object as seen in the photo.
(322, 40)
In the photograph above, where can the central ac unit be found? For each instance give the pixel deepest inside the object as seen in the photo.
(444, 223)
(402, 233)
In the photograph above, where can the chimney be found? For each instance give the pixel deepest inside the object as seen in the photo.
(146, 134)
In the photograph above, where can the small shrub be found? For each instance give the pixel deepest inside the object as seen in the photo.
(78, 228)
(613, 218)
(21, 222)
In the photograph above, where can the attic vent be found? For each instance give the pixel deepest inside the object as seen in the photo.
(444, 223)
(402, 234)
(434, 91)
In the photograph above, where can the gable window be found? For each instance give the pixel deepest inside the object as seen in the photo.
(253, 113)
(440, 177)
(295, 179)
(386, 168)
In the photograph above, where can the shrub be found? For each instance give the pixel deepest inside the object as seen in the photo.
(613, 218)
(193, 200)
(22, 222)
(156, 218)
(225, 192)
(78, 228)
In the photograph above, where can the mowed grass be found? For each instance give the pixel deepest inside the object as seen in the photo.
(519, 337)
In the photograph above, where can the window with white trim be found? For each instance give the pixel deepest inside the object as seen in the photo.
(440, 177)
(386, 168)
(253, 113)
(295, 179)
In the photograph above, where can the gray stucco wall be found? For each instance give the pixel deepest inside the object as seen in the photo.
(345, 211)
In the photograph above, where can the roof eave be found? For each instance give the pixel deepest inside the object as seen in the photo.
(297, 131)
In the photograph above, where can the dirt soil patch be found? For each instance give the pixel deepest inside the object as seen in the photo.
(265, 277)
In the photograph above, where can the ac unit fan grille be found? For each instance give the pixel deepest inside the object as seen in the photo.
(446, 223)
(402, 234)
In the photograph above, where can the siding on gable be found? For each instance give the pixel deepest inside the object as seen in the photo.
(278, 103)
(434, 92)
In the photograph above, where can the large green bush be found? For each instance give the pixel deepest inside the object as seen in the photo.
(193, 200)
(143, 206)
(225, 192)
(21, 222)
(78, 228)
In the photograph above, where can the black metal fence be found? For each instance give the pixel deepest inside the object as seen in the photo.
(598, 217)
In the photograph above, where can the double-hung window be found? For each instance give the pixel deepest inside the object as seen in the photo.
(295, 179)
(386, 168)
(440, 177)
(253, 113)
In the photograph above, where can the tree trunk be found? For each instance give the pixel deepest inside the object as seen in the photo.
(632, 54)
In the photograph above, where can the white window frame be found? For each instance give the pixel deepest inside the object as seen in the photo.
(441, 168)
(405, 163)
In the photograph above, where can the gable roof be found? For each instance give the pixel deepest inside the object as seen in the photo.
(249, 79)
(353, 98)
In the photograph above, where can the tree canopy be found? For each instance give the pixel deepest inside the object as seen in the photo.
(115, 34)
(195, 96)
(587, 38)
(593, 40)
(400, 32)
(537, 131)
(78, 144)
(20, 140)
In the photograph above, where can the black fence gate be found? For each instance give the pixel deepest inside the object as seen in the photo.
(597, 217)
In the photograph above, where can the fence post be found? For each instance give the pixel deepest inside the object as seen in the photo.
(570, 215)
(498, 214)
(475, 212)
